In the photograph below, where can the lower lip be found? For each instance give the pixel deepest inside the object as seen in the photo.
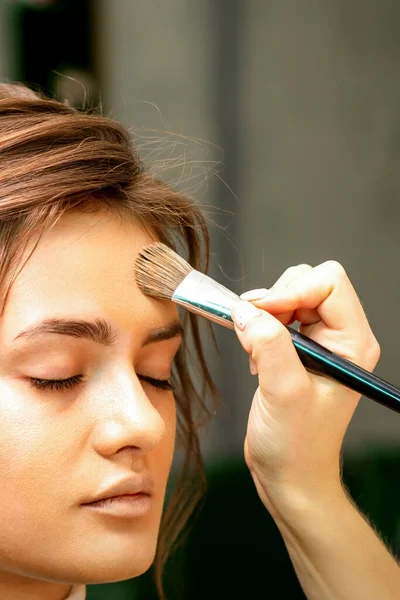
(122, 506)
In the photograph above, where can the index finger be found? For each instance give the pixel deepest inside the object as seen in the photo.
(325, 288)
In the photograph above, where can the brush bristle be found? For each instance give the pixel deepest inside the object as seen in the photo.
(159, 270)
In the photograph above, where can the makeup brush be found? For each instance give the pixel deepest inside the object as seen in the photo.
(162, 273)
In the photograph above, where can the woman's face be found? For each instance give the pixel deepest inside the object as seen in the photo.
(60, 448)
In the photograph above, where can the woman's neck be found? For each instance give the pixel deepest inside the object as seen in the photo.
(17, 587)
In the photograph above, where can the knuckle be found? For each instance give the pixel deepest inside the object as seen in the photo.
(367, 353)
(286, 275)
(374, 352)
(292, 275)
(336, 269)
(289, 269)
(295, 269)
(273, 333)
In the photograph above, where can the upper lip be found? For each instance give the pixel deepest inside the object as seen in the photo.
(131, 485)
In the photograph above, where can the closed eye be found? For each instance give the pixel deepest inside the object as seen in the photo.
(61, 384)
(162, 384)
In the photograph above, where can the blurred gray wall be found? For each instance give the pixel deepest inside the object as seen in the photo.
(301, 101)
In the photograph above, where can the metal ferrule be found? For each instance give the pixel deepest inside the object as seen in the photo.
(203, 296)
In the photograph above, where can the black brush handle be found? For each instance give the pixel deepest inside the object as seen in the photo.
(320, 360)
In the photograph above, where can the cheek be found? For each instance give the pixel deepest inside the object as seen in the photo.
(29, 469)
(30, 454)
(163, 454)
(20, 433)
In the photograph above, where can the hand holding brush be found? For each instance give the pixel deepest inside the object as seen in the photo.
(300, 410)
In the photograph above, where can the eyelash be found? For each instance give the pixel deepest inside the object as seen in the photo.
(61, 384)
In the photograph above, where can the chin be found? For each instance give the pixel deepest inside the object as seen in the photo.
(105, 563)
(112, 573)
(99, 567)
(118, 566)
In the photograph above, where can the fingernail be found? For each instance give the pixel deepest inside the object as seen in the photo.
(253, 366)
(254, 294)
(243, 312)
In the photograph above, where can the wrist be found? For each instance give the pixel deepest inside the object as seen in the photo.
(290, 505)
(335, 551)
(298, 509)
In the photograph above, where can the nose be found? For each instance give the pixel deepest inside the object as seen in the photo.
(128, 418)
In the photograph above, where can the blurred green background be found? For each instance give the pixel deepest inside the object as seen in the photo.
(297, 105)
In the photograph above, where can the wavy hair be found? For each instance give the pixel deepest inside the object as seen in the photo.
(54, 158)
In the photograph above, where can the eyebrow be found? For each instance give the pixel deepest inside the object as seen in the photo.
(99, 330)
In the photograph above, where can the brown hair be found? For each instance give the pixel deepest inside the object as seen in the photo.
(53, 158)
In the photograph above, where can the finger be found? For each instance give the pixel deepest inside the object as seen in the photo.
(280, 371)
(327, 290)
(285, 279)
(289, 275)
(253, 366)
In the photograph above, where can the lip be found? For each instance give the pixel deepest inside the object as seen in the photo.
(130, 486)
(126, 506)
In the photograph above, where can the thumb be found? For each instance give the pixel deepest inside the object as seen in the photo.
(267, 340)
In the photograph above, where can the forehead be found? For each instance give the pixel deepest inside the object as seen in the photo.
(85, 264)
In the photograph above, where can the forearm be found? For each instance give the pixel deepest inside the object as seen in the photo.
(337, 555)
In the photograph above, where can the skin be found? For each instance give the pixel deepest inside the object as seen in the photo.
(296, 427)
(59, 448)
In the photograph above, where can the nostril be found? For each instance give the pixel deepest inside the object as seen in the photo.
(128, 448)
